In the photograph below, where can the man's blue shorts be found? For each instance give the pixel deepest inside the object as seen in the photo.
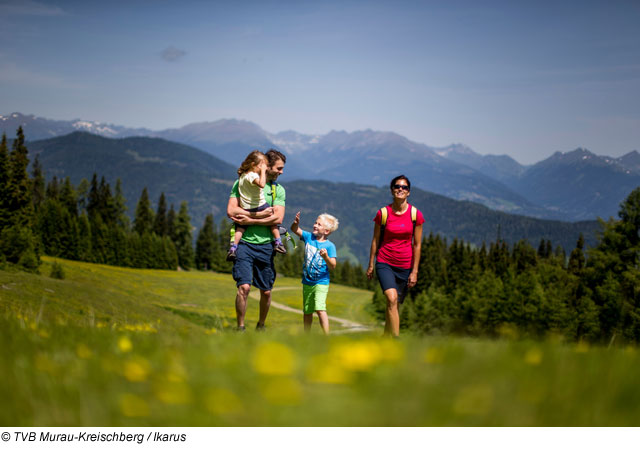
(254, 265)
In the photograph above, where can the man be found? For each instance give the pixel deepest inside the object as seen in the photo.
(254, 256)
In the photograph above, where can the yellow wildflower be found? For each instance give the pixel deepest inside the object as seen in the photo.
(433, 356)
(83, 351)
(357, 356)
(124, 344)
(323, 369)
(533, 357)
(173, 393)
(582, 347)
(136, 370)
(273, 358)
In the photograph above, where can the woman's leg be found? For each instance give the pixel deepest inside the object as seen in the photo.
(392, 324)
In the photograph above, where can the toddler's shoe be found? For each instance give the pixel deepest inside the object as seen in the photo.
(280, 248)
(231, 254)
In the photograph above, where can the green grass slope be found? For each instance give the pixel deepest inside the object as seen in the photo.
(109, 346)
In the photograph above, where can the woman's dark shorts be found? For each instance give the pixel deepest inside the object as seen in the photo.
(254, 265)
(392, 277)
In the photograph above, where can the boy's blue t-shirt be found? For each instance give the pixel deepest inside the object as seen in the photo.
(315, 269)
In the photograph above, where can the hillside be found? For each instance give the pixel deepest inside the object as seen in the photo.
(185, 173)
(180, 171)
(93, 295)
(110, 347)
(561, 187)
(579, 183)
(356, 205)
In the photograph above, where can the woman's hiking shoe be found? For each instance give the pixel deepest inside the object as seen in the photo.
(260, 327)
(280, 248)
(231, 254)
(241, 329)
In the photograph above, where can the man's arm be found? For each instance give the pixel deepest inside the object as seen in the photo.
(234, 210)
(244, 219)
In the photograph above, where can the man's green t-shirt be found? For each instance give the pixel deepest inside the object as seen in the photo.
(261, 234)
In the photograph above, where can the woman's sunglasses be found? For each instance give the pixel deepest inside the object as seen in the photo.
(401, 186)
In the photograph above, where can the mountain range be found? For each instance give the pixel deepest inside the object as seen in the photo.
(187, 173)
(575, 185)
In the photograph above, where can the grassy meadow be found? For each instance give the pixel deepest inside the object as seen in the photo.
(109, 346)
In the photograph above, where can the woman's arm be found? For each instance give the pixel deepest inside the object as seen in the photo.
(374, 250)
(417, 246)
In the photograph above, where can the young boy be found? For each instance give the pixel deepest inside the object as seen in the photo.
(319, 256)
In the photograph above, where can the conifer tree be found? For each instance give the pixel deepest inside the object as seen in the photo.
(84, 238)
(93, 199)
(160, 226)
(69, 198)
(83, 194)
(53, 189)
(170, 254)
(171, 223)
(576, 258)
(37, 184)
(120, 205)
(5, 176)
(107, 204)
(613, 272)
(143, 222)
(183, 239)
(206, 245)
(21, 207)
(18, 244)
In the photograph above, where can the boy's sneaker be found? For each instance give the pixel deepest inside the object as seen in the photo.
(280, 248)
(231, 254)
(260, 327)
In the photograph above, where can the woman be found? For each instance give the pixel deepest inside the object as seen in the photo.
(397, 237)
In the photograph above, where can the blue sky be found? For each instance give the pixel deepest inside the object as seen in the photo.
(525, 79)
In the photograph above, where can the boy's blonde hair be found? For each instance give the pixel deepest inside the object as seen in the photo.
(251, 161)
(329, 221)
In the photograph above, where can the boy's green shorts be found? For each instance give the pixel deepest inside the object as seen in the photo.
(314, 298)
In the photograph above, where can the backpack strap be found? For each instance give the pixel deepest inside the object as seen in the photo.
(414, 219)
(384, 214)
(273, 192)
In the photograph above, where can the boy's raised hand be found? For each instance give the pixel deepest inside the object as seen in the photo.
(295, 225)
